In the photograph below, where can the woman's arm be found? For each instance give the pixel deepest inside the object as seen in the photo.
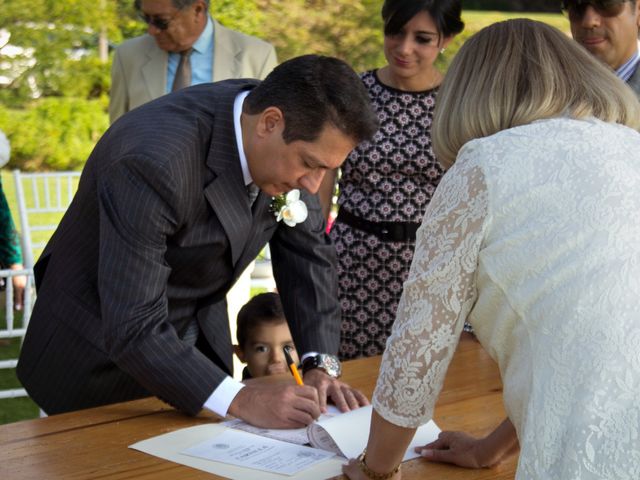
(385, 449)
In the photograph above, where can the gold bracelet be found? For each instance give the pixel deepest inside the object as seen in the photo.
(370, 473)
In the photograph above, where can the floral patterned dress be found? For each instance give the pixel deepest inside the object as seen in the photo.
(390, 179)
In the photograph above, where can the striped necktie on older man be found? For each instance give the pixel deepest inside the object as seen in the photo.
(183, 73)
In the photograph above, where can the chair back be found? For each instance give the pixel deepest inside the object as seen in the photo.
(42, 200)
(13, 325)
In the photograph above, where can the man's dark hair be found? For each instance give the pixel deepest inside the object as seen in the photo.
(312, 91)
(445, 13)
(264, 308)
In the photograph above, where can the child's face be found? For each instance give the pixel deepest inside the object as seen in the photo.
(263, 352)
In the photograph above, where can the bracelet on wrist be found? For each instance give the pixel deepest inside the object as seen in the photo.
(362, 464)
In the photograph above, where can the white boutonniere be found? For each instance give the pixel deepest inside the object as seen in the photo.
(289, 208)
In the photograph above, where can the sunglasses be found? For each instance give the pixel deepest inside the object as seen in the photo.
(576, 9)
(158, 22)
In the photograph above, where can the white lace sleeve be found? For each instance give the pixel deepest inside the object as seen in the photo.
(436, 299)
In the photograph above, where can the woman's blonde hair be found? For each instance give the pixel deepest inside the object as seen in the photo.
(514, 72)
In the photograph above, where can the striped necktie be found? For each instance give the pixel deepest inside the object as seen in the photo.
(253, 192)
(183, 73)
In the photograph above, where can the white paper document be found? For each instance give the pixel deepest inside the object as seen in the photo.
(239, 455)
(259, 453)
(170, 446)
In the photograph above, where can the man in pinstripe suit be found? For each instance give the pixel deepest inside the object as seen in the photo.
(161, 227)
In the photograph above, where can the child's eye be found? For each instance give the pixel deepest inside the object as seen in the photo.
(291, 347)
(424, 40)
(261, 348)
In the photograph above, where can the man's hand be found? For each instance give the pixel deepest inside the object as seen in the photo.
(343, 396)
(276, 405)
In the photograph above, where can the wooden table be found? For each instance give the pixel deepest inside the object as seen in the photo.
(93, 443)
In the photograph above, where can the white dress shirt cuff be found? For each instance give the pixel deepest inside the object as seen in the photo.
(221, 398)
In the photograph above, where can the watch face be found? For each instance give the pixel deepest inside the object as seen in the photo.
(329, 363)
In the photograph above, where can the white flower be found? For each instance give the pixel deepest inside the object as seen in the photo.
(289, 208)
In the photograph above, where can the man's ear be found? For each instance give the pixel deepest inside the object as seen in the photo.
(270, 121)
(239, 353)
(200, 7)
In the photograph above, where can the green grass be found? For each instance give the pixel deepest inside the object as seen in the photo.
(13, 409)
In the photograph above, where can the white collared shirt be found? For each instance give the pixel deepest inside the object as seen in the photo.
(221, 398)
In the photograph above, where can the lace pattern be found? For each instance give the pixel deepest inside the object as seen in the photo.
(533, 237)
(436, 299)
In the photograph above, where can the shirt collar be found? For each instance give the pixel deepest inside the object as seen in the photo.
(627, 69)
(205, 40)
(237, 112)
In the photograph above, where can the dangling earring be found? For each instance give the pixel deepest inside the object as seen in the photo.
(442, 50)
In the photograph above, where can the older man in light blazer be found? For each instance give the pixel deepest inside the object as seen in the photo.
(145, 67)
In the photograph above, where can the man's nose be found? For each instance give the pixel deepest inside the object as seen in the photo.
(153, 30)
(591, 18)
(311, 181)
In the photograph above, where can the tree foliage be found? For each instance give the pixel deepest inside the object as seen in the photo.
(62, 38)
(72, 78)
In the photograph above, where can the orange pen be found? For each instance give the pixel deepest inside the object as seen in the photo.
(292, 366)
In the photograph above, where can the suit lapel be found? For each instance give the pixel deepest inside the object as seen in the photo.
(154, 71)
(634, 82)
(225, 53)
(227, 193)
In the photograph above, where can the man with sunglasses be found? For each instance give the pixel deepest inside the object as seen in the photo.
(145, 67)
(609, 30)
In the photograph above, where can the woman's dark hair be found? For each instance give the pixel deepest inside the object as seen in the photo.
(445, 13)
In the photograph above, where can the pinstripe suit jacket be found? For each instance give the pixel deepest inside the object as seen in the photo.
(157, 233)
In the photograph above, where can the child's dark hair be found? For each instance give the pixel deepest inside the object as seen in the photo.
(261, 309)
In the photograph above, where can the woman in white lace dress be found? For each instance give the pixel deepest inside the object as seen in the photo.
(533, 237)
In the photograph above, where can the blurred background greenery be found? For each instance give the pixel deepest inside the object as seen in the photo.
(55, 57)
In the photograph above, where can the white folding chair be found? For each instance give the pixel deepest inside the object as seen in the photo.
(42, 200)
(14, 324)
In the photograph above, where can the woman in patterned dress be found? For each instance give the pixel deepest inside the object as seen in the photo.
(387, 183)
(533, 237)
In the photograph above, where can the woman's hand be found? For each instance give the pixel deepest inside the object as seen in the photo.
(457, 448)
(464, 450)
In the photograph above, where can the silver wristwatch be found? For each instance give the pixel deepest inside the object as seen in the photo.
(329, 363)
